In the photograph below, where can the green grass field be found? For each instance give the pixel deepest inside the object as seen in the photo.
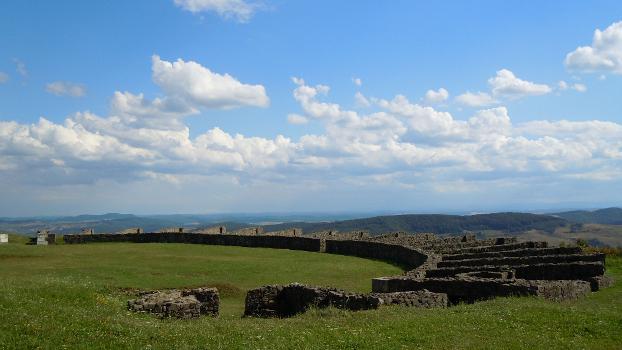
(74, 296)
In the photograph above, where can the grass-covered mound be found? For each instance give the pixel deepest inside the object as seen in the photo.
(74, 297)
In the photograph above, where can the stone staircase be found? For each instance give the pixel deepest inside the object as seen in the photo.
(468, 271)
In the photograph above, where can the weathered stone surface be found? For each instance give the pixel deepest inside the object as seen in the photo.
(4, 238)
(469, 289)
(514, 253)
(289, 300)
(188, 303)
(44, 237)
(524, 260)
(599, 282)
(564, 271)
(419, 298)
(405, 256)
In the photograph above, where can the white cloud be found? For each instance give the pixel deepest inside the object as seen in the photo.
(604, 55)
(397, 143)
(439, 96)
(64, 88)
(360, 100)
(199, 86)
(506, 84)
(20, 67)
(478, 99)
(239, 9)
(357, 81)
(3, 77)
(297, 119)
(579, 87)
(562, 85)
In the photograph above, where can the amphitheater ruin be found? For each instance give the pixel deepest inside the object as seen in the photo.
(439, 271)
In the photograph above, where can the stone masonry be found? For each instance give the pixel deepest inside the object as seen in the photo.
(439, 271)
(289, 300)
(187, 303)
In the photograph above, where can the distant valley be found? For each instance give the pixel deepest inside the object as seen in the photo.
(599, 227)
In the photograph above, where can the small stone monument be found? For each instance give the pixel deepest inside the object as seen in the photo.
(4, 238)
(42, 237)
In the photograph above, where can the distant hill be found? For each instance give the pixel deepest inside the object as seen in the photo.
(608, 216)
(435, 223)
(109, 223)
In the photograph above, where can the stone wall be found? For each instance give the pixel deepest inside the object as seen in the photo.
(281, 242)
(212, 230)
(409, 258)
(134, 230)
(249, 231)
(472, 289)
(419, 298)
(289, 300)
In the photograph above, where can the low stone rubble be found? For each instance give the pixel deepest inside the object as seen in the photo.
(187, 303)
(295, 298)
(289, 300)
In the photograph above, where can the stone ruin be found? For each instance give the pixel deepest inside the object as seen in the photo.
(44, 237)
(333, 234)
(249, 231)
(133, 230)
(469, 270)
(295, 298)
(212, 230)
(4, 238)
(186, 303)
(291, 232)
(439, 271)
(172, 230)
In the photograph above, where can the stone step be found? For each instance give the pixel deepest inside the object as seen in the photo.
(523, 260)
(518, 252)
(547, 271)
(469, 290)
(502, 247)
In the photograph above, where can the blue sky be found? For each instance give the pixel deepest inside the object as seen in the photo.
(410, 106)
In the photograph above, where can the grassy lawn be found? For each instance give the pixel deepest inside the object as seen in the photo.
(73, 296)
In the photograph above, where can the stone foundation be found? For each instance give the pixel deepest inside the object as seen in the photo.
(188, 303)
(419, 298)
(289, 300)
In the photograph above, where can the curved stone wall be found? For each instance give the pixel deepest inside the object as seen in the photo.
(406, 257)
(278, 242)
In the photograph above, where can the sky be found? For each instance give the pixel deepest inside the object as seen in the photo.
(212, 106)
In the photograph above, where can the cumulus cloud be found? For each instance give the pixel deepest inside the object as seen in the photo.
(396, 142)
(506, 84)
(478, 99)
(296, 119)
(361, 100)
(241, 10)
(197, 85)
(65, 88)
(438, 96)
(3, 77)
(605, 53)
